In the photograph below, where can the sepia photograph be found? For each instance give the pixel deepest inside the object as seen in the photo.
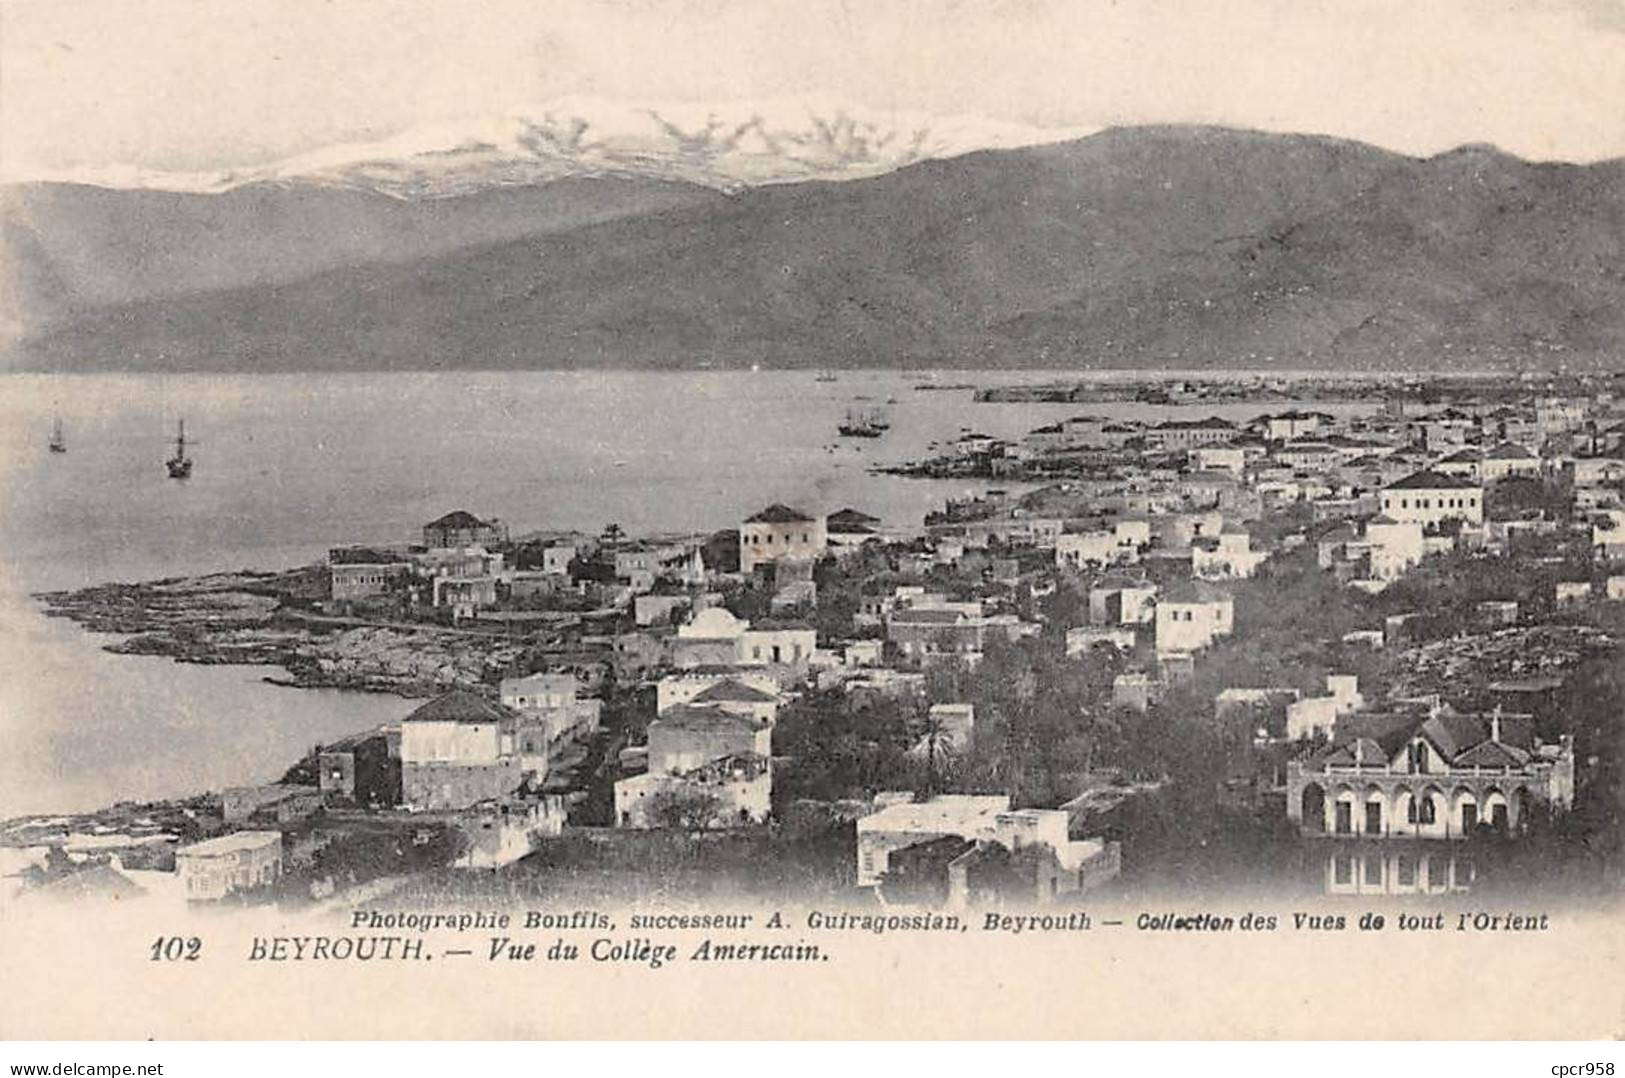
(916, 519)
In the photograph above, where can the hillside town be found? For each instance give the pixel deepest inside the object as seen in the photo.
(1369, 652)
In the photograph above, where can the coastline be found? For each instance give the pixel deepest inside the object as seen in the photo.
(255, 618)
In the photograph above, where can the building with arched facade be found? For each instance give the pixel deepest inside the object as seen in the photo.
(1439, 776)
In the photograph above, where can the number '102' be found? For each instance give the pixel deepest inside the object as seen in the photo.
(176, 949)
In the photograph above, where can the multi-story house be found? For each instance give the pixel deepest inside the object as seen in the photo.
(780, 532)
(715, 637)
(683, 686)
(363, 572)
(925, 635)
(1314, 715)
(462, 529)
(457, 750)
(1464, 463)
(1228, 555)
(1092, 550)
(716, 758)
(1509, 461)
(1289, 425)
(1305, 453)
(1120, 599)
(550, 715)
(1190, 616)
(1429, 498)
(1433, 776)
(363, 769)
(1226, 457)
(1188, 434)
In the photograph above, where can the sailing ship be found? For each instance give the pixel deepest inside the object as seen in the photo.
(180, 465)
(59, 441)
(864, 423)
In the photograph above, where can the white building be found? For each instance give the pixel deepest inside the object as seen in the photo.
(231, 864)
(1608, 535)
(1429, 498)
(1318, 714)
(1221, 458)
(1442, 776)
(1507, 461)
(1091, 549)
(1289, 425)
(714, 759)
(1191, 617)
(556, 559)
(457, 750)
(1394, 547)
(1120, 599)
(683, 686)
(1121, 544)
(731, 791)
(1082, 639)
(715, 637)
(780, 532)
(982, 821)
(1228, 555)
(551, 715)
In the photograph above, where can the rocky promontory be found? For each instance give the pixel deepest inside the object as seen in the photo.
(260, 618)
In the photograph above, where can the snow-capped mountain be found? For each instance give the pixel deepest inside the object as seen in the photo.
(727, 146)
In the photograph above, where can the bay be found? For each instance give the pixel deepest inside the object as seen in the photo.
(289, 465)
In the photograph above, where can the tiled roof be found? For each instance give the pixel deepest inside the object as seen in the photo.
(778, 514)
(460, 706)
(1429, 480)
(688, 717)
(1454, 735)
(1210, 423)
(458, 518)
(927, 617)
(733, 691)
(1492, 754)
(360, 555)
(1386, 730)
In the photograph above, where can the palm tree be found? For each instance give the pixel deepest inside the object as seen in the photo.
(937, 745)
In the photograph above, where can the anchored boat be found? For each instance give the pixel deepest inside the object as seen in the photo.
(179, 465)
(865, 423)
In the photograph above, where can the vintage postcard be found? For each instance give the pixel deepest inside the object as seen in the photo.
(816, 519)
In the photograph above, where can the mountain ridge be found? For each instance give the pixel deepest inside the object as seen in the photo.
(726, 145)
(1136, 246)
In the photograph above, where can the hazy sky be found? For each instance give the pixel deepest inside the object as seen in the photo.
(182, 84)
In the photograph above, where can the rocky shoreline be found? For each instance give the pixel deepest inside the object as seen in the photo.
(265, 619)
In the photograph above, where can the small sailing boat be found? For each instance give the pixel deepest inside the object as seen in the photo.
(59, 441)
(179, 465)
